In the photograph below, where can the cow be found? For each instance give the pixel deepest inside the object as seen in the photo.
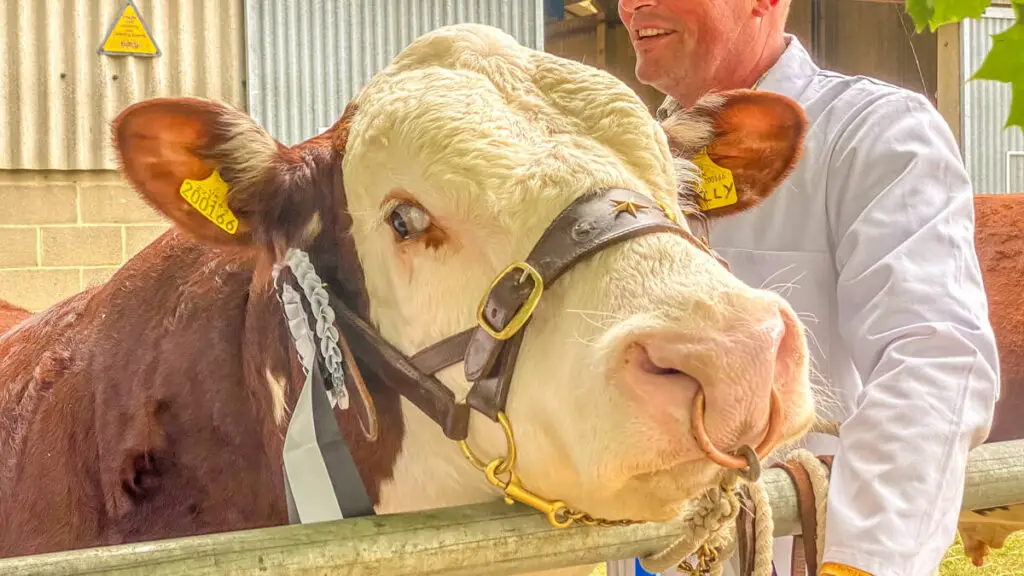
(156, 405)
(999, 218)
(11, 315)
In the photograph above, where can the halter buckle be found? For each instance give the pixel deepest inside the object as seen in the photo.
(524, 312)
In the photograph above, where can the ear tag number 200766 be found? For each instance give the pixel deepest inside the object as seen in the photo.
(210, 198)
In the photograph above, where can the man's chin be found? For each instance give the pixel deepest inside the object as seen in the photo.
(647, 73)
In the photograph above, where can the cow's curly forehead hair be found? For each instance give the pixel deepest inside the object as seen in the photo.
(473, 97)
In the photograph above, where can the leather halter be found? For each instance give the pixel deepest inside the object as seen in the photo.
(489, 350)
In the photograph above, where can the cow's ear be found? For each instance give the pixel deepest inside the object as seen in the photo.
(744, 142)
(218, 175)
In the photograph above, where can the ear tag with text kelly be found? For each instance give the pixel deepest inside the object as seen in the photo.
(717, 188)
(210, 198)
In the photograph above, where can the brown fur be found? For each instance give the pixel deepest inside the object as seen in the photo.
(758, 136)
(999, 218)
(11, 315)
(143, 406)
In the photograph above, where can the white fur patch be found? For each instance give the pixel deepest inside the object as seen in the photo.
(277, 385)
(248, 149)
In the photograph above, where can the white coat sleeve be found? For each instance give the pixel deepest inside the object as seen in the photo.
(913, 312)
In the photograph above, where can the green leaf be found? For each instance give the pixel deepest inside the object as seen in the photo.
(1016, 117)
(1005, 63)
(920, 12)
(935, 13)
(949, 11)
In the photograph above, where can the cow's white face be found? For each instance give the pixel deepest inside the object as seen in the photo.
(458, 157)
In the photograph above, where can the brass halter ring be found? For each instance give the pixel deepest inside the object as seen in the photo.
(557, 512)
(749, 460)
(504, 464)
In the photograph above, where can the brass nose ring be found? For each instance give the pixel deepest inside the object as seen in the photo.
(747, 458)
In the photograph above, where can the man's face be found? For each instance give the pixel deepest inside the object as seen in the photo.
(682, 42)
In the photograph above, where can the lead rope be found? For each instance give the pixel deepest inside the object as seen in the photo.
(819, 485)
(712, 523)
(707, 533)
(711, 533)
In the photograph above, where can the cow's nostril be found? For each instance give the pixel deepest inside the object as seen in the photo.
(639, 356)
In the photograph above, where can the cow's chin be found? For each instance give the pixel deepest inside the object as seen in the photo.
(661, 495)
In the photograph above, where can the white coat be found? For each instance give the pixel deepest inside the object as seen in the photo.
(871, 240)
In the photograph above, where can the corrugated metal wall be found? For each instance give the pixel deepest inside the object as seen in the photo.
(58, 96)
(994, 155)
(308, 58)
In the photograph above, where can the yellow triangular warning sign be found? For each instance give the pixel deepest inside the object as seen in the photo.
(129, 35)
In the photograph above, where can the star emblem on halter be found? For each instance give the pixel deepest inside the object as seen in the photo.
(628, 206)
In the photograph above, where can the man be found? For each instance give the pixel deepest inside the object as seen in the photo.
(871, 239)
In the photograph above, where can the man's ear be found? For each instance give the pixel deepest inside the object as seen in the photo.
(744, 142)
(218, 175)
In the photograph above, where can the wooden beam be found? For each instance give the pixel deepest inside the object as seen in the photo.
(490, 538)
(949, 87)
(610, 9)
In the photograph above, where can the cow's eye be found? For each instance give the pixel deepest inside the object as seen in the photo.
(408, 221)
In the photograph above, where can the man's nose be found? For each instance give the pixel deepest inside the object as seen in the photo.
(630, 6)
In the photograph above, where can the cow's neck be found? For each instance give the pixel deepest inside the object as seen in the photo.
(431, 471)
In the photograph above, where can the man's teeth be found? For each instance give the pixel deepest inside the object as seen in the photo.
(648, 32)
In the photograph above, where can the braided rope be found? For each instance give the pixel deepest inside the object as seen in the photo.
(704, 527)
(818, 474)
(711, 522)
(764, 529)
(298, 323)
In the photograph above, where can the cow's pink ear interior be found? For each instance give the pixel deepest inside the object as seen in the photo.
(157, 143)
(759, 139)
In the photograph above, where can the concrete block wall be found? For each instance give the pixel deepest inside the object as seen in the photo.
(61, 232)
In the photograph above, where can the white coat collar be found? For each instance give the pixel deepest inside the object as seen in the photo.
(792, 72)
(789, 76)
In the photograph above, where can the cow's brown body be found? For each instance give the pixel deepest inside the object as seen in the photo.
(999, 220)
(11, 315)
(148, 404)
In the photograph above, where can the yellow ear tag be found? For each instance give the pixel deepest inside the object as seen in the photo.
(210, 198)
(717, 189)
